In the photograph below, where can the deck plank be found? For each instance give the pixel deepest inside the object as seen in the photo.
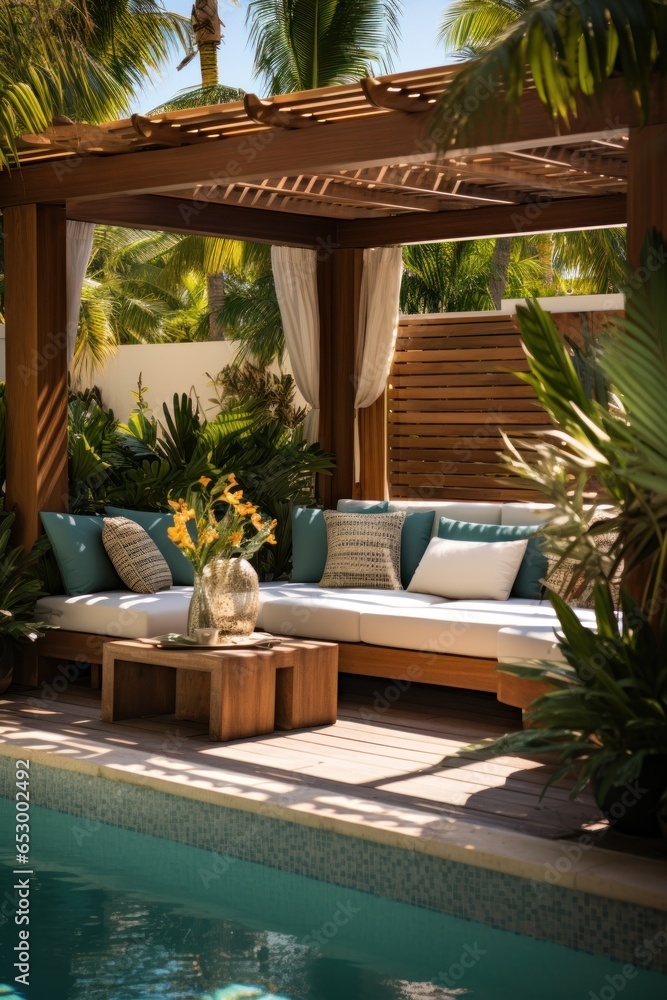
(400, 754)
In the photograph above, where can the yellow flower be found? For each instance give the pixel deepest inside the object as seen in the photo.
(174, 504)
(204, 480)
(210, 535)
(246, 508)
(271, 539)
(235, 538)
(232, 498)
(256, 521)
(231, 480)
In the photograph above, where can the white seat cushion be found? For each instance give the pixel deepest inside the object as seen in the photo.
(529, 643)
(466, 628)
(304, 609)
(119, 613)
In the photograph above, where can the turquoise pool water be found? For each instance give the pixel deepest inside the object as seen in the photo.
(117, 915)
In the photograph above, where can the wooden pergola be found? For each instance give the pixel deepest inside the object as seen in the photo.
(336, 170)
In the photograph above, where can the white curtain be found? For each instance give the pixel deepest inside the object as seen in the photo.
(79, 247)
(378, 325)
(295, 275)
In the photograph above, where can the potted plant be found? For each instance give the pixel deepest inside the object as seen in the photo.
(219, 531)
(20, 588)
(606, 716)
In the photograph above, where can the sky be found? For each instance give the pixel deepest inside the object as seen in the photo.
(418, 49)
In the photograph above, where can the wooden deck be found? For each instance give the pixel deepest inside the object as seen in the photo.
(386, 747)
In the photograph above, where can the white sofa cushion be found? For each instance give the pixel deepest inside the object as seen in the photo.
(314, 612)
(119, 613)
(466, 628)
(532, 642)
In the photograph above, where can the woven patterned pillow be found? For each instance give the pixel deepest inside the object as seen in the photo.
(363, 550)
(135, 556)
(561, 573)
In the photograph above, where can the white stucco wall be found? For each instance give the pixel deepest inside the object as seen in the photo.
(165, 369)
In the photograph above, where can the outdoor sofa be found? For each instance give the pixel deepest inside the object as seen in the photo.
(394, 634)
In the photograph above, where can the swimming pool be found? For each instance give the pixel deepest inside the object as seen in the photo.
(121, 915)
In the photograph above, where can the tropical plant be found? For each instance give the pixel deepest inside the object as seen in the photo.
(303, 44)
(141, 463)
(78, 58)
(606, 715)
(617, 442)
(20, 585)
(271, 394)
(569, 47)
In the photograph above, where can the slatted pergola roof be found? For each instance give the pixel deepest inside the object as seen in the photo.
(354, 179)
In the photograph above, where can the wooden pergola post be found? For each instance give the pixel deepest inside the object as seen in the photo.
(647, 191)
(339, 287)
(36, 364)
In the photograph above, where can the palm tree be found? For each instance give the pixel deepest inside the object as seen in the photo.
(304, 44)
(80, 58)
(455, 277)
(569, 48)
(132, 295)
(206, 25)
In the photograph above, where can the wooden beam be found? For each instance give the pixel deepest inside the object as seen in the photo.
(541, 216)
(362, 141)
(339, 287)
(36, 364)
(189, 216)
(251, 157)
(647, 193)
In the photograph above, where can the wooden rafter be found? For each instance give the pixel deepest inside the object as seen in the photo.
(393, 97)
(427, 180)
(491, 170)
(266, 112)
(580, 160)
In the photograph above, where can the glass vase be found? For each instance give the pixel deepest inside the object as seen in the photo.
(226, 597)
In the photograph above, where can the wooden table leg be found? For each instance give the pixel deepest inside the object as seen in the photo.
(307, 688)
(132, 690)
(243, 696)
(193, 695)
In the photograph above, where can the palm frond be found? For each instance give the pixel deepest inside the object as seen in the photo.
(472, 24)
(569, 49)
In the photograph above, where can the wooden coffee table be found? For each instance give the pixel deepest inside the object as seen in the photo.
(238, 692)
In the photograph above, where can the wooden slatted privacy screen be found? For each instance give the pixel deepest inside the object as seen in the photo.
(451, 389)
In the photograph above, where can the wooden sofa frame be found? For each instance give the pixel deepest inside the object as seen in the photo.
(59, 653)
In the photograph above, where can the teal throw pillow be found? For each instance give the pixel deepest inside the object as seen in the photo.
(155, 524)
(416, 534)
(533, 569)
(309, 540)
(76, 540)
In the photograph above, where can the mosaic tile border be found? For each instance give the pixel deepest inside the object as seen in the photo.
(568, 917)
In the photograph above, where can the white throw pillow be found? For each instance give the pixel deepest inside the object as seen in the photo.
(469, 570)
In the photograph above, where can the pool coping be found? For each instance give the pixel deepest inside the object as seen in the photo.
(570, 864)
